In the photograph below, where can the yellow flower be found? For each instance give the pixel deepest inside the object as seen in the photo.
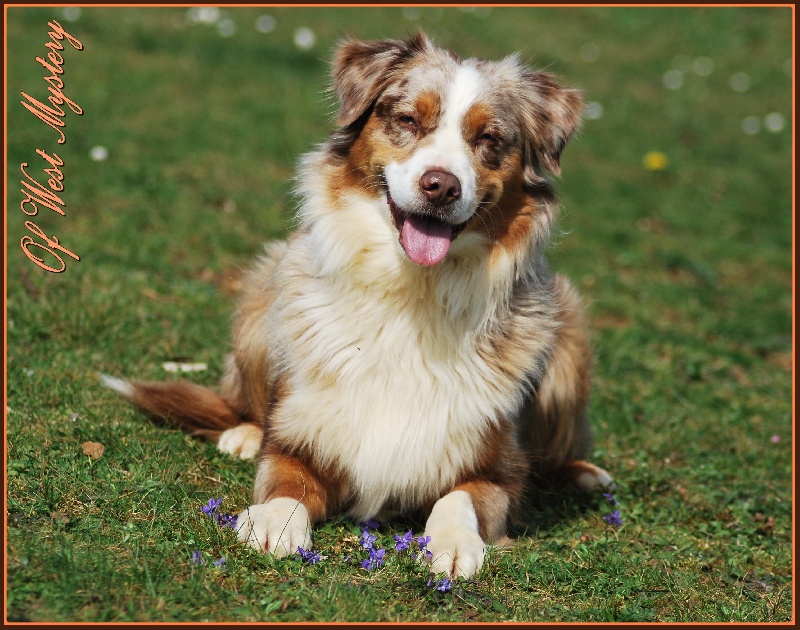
(655, 161)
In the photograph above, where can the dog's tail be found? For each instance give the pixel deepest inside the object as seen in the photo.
(195, 409)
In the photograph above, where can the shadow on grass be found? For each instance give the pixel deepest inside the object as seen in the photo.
(549, 503)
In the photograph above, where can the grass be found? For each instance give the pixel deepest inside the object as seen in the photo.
(688, 270)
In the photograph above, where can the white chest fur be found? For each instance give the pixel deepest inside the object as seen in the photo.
(386, 381)
(402, 418)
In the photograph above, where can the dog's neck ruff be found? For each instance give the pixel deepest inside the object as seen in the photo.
(351, 237)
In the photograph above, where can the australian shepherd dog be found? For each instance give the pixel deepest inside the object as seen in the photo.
(407, 350)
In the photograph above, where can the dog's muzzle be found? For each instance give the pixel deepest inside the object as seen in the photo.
(426, 233)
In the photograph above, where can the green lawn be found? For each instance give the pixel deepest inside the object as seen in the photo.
(688, 269)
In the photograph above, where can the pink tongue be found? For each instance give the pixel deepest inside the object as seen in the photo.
(425, 240)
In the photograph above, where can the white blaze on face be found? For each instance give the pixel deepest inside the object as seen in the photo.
(446, 149)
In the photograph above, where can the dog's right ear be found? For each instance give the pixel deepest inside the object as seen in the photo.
(361, 71)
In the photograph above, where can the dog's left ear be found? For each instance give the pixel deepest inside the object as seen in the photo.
(551, 115)
(362, 70)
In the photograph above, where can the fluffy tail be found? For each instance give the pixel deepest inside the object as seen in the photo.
(196, 409)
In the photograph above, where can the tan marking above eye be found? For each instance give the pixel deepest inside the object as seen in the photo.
(427, 106)
(477, 120)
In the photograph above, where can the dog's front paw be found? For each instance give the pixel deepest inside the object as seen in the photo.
(456, 547)
(456, 552)
(278, 526)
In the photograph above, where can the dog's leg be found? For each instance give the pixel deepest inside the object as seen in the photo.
(459, 524)
(586, 476)
(288, 498)
(243, 441)
(558, 429)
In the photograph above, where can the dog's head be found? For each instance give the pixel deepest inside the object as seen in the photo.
(446, 138)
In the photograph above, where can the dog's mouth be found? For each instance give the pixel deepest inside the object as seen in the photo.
(424, 238)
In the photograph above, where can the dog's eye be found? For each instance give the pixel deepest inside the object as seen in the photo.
(407, 121)
(488, 139)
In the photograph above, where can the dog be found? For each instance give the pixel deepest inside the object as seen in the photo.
(407, 349)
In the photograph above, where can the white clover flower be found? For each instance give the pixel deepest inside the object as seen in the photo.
(594, 110)
(304, 38)
(98, 153)
(265, 24)
(672, 79)
(774, 122)
(740, 82)
(751, 125)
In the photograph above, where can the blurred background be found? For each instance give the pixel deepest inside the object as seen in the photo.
(677, 220)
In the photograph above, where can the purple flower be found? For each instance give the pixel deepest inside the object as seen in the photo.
(403, 541)
(219, 563)
(370, 523)
(197, 558)
(613, 519)
(442, 585)
(610, 498)
(375, 559)
(223, 519)
(211, 506)
(310, 556)
(422, 542)
(366, 540)
(227, 520)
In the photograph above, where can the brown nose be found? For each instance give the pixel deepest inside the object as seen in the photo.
(440, 187)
